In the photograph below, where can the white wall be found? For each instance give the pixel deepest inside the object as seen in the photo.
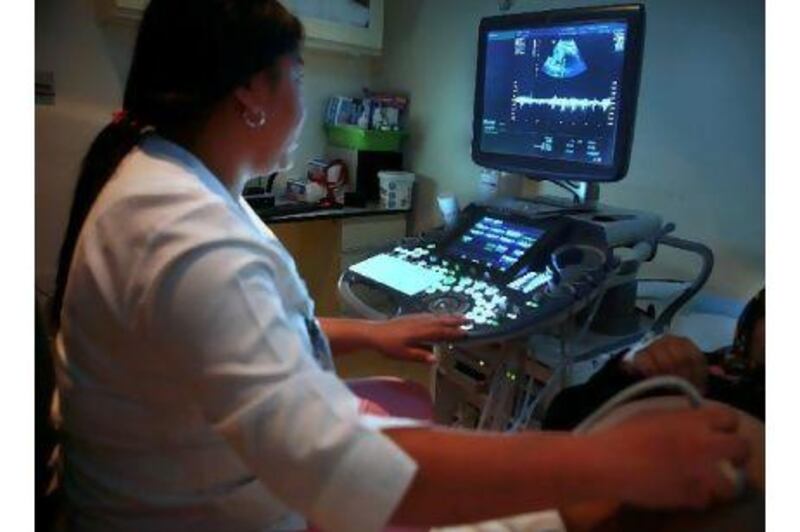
(90, 59)
(88, 64)
(698, 156)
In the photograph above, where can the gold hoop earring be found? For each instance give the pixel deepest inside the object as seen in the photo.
(254, 119)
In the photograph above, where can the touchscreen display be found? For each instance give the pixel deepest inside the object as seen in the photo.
(494, 243)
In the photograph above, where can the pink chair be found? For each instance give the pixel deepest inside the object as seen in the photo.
(392, 397)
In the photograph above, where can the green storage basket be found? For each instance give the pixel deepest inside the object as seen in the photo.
(355, 138)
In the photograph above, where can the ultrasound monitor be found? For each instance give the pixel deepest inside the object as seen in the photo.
(556, 91)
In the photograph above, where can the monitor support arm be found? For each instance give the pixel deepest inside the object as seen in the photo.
(585, 193)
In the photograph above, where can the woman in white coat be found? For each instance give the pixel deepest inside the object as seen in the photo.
(198, 389)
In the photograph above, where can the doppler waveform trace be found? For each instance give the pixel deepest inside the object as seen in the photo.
(566, 104)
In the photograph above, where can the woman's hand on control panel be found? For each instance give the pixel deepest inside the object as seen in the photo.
(408, 337)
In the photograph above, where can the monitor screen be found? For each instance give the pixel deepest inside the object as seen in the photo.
(553, 92)
(555, 95)
(494, 243)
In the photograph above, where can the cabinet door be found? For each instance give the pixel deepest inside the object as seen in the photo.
(134, 5)
(315, 247)
(121, 10)
(354, 26)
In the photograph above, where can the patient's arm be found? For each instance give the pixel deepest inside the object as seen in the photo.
(671, 355)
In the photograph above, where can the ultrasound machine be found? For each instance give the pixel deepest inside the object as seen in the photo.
(549, 284)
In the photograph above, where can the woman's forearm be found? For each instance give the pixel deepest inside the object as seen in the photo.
(679, 458)
(465, 477)
(348, 335)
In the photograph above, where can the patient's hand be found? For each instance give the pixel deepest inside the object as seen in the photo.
(671, 355)
(407, 337)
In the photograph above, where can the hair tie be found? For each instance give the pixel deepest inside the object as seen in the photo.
(118, 116)
(123, 115)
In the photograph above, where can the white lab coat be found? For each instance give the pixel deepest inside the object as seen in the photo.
(193, 396)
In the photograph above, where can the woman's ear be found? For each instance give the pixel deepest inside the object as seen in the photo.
(257, 95)
(246, 101)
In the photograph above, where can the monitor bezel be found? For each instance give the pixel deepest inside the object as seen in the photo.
(558, 170)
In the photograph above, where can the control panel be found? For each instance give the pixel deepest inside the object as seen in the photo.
(458, 290)
(506, 273)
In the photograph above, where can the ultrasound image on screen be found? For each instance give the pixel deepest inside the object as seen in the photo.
(554, 92)
(494, 243)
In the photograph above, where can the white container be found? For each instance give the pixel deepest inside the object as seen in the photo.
(396, 189)
(498, 184)
(448, 208)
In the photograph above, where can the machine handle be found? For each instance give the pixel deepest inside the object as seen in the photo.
(644, 250)
(355, 302)
(665, 319)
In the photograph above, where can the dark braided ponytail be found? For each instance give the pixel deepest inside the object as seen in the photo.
(189, 54)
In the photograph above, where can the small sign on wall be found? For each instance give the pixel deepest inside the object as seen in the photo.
(348, 12)
(45, 87)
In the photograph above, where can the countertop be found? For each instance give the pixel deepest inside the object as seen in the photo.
(323, 214)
